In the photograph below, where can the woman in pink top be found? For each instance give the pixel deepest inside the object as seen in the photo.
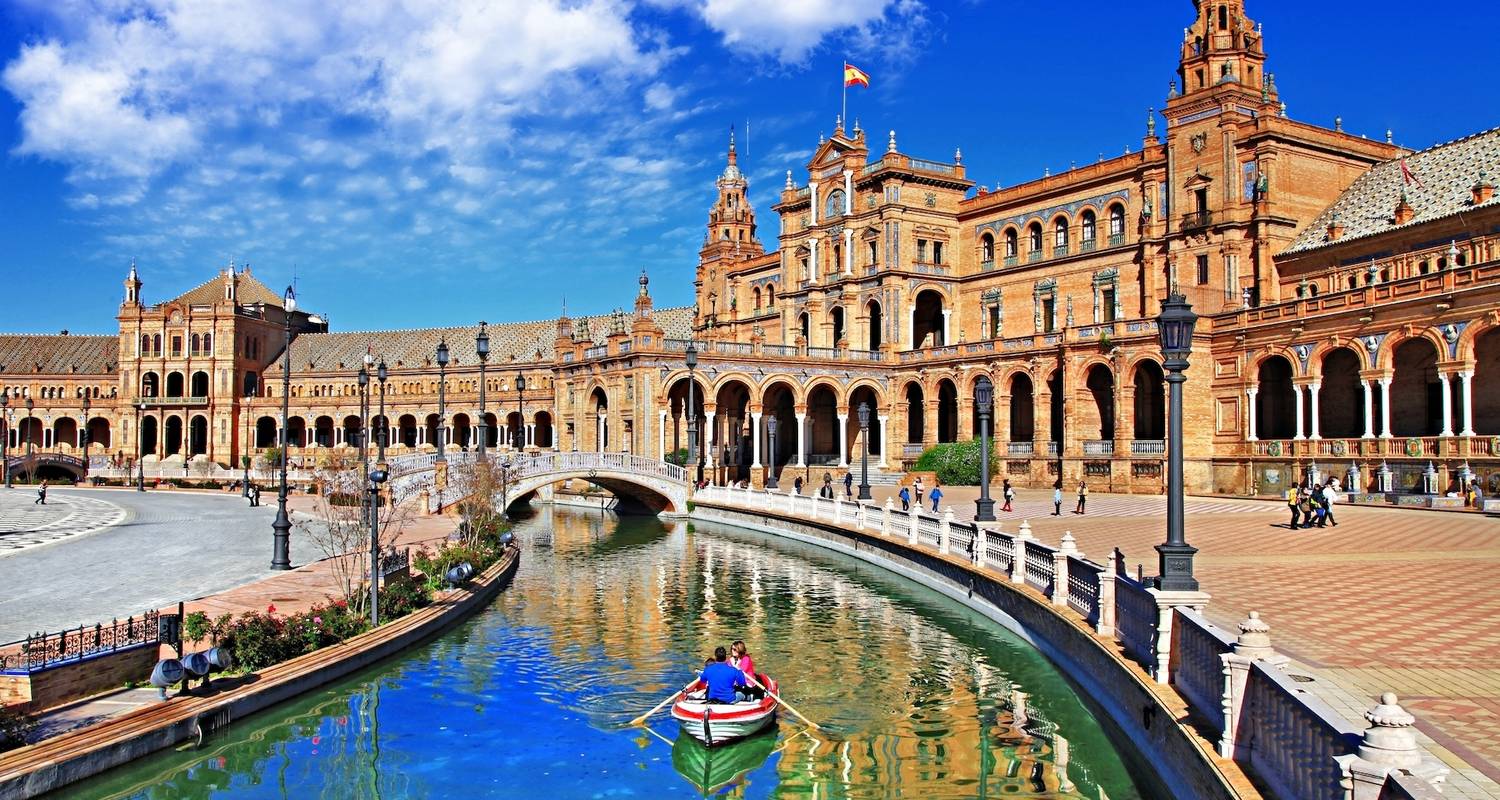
(739, 656)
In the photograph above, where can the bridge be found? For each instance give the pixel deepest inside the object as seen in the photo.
(47, 465)
(642, 484)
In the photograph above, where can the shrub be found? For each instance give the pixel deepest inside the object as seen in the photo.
(678, 457)
(956, 463)
(262, 639)
(399, 598)
(15, 727)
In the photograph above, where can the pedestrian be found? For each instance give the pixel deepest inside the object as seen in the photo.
(905, 499)
(1330, 496)
(827, 490)
(41, 495)
(936, 494)
(848, 483)
(1083, 497)
(1057, 499)
(1292, 503)
(1304, 502)
(1477, 491)
(1009, 493)
(1319, 505)
(797, 484)
(255, 495)
(917, 489)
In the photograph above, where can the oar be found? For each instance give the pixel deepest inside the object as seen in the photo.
(789, 706)
(662, 704)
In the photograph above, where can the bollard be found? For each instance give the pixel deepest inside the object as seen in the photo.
(945, 531)
(1018, 553)
(885, 519)
(1068, 547)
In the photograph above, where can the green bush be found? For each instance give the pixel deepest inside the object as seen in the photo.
(678, 457)
(399, 598)
(956, 463)
(262, 639)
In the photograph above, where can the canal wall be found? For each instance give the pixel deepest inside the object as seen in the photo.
(1203, 710)
(82, 753)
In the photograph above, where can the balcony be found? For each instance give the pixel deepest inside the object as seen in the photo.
(1088, 245)
(1059, 251)
(1011, 261)
(1098, 447)
(1020, 448)
(1148, 447)
(1197, 219)
(170, 402)
(1116, 239)
(1033, 256)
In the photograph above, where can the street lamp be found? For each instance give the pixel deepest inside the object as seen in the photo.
(984, 399)
(1175, 325)
(84, 436)
(245, 445)
(363, 377)
(30, 468)
(864, 456)
(140, 451)
(520, 413)
(771, 433)
(691, 357)
(376, 477)
(381, 373)
(482, 347)
(5, 433)
(281, 528)
(442, 359)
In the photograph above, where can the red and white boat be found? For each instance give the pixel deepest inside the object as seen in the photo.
(720, 723)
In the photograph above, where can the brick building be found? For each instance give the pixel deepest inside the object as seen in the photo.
(1345, 287)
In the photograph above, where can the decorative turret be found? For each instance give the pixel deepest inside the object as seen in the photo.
(231, 283)
(132, 286)
(643, 298)
(1224, 48)
(731, 221)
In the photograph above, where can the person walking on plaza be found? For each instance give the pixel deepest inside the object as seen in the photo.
(1057, 499)
(827, 490)
(905, 499)
(1319, 506)
(797, 484)
(936, 494)
(848, 484)
(1330, 496)
(41, 495)
(917, 490)
(1083, 497)
(1292, 502)
(1009, 493)
(1304, 502)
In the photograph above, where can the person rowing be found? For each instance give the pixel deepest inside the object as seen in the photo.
(722, 679)
(739, 656)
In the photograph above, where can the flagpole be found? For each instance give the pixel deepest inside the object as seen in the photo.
(844, 80)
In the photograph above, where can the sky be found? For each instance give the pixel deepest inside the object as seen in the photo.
(413, 163)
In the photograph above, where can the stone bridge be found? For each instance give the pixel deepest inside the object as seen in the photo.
(642, 484)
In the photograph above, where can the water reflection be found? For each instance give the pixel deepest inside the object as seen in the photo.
(916, 695)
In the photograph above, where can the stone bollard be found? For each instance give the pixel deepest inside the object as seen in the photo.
(838, 509)
(945, 532)
(885, 519)
(426, 500)
(911, 533)
(1388, 746)
(981, 546)
(1018, 553)
(1253, 644)
(1106, 624)
(1068, 547)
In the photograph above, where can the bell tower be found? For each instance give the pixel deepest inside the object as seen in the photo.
(132, 286)
(731, 221)
(1223, 52)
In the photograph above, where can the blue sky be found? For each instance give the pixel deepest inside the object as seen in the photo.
(424, 162)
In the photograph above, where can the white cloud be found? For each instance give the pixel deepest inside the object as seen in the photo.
(789, 30)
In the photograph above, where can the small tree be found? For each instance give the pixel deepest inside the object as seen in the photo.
(342, 533)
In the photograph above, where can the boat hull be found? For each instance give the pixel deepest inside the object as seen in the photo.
(716, 724)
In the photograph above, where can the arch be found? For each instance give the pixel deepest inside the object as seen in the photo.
(927, 320)
(1416, 395)
(208, 344)
(755, 295)
(173, 436)
(987, 247)
(731, 435)
(197, 344)
(872, 313)
(1341, 401)
(870, 395)
(64, 431)
(1098, 416)
(1485, 385)
(679, 413)
(462, 428)
(947, 411)
(1012, 245)
(1088, 227)
(600, 417)
(353, 430)
(836, 316)
(541, 432)
(296, 432)
(1034, 237)
(778, 401)
(1150, 408)
(822, 424)
(804, 326)
(199, 384)
(150, 385)
(770, 295)
(174, 384)
(1060, 234)
(323, 431)
(100, 433)
(1116, 222)
(198, 436)
(916, 412)
(406, 431)
(250, 386)
(1275, 400)
(265, 433)
(1022, 408)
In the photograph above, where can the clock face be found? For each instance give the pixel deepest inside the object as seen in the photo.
(176, 315)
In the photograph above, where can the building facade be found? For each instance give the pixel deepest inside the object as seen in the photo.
(1347, 289)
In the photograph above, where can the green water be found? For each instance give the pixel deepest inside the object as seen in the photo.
(916, 695)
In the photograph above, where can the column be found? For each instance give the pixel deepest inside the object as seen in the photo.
(1250, 422)
(1369, 409)
(1385, 407)
(710, 438)
(755, 439)
(599, 438)
(848, 191)
(661, 436)
(947, 334)
(843, 440)
(1445, 380)
(911, 327)
(531, 434)
(801, 440)
(813, 195)
(1313, 390)
(848, 251)
(1467, 377)
(1297, 393)
(812, 265)
(884, 442)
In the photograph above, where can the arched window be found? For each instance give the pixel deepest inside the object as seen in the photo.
(1088, 228)
(1116, 223)
(1011, 247)
(834, 207)
(156, 344)
(987, 248)
(197, 343)
(1034, 237)
(208, 344)
(756, 294)
(145, 344)
(771, 295)
(1060, 234)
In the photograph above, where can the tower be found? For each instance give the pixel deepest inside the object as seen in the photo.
(731, 221)
(132, 286)
(1223, 53)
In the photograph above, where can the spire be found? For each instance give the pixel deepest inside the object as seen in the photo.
(643, 299)
(789, 184)
(732, 162)
(733, 157)
(132, 286)
(891, 147)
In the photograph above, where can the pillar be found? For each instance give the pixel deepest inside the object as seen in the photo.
(1313, 389)
(1468, 420)
(812, 263)
(1444, 379)
(755, 439)
(661, 435)
(1297, 393)
(947, 333)
(1369, 409)
(1385, 407)
(599, 435)
(1250, 421)
(813, 195)
(710, 438)
(848, 249)
(801, 440)
(885, 443)
(843, 440)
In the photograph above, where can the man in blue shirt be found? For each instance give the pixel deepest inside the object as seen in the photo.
(722, 678)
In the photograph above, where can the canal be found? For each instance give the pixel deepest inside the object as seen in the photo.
(916, 695)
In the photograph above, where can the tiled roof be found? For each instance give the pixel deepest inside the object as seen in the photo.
(29, 354)
(250, 291)
(510, 343)
(1447, 174)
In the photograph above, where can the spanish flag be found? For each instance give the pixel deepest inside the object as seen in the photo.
(854, 76)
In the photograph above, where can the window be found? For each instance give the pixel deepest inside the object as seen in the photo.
(1088, 227)
(1200, 197)
(987, 248)
(755, 293)
(834, 207)
(145, 344)
(176, 345)
(937, 252)
(1116, 222)
(1034, 234)
(771, 295)
(156, 344)
(1107, 303)
(1223, 18)
(197, 344)
(208, 344)
(873, 252)
(1060, 234)
(1049, 314)
(1011, 248)
(1232, 278)
(921, 251)
(1202, 275)
(993, 321)
(805, 274)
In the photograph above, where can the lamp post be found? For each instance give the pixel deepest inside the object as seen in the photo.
(771, 434)
(520, 413)
(83, 438)
(482, 347)
(30, 469)
(376, 477)
(140, 464)
(363, 378)
(442, 359)
(864, 456)
(5, 433)
(984, 399)
(245, 447)
(281, 528)
(381, 374)
(691, 357)
(1175, 325)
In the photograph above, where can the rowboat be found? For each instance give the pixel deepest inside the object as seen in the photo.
(718, 723)
(712, 769)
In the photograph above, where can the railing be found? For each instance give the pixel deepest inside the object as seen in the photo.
(933, 166)
(778, 350)
(199, 471)
(1052, 448)
(1116, 239)
(1011, 261)
(625, 345)
(1058, 251)
(1083, 588)
(1020, 448)
(1039, 566)
(866, 355)
(1297, 739)
(1088, 245)
(395, 560)
(1148, 447)
(1098, 447)
(40, 651)
(1197, 219)
(1135, 620)
(1197, 667)
(823, 352)
(162, 402)
(927, 528)
(1034, 255)
(734, 348)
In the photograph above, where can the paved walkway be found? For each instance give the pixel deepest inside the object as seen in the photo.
(25, 523)
(1390, 600)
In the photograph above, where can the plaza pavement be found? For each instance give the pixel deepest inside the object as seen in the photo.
(1392, 599)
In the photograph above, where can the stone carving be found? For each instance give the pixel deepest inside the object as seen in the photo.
(930, 199)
